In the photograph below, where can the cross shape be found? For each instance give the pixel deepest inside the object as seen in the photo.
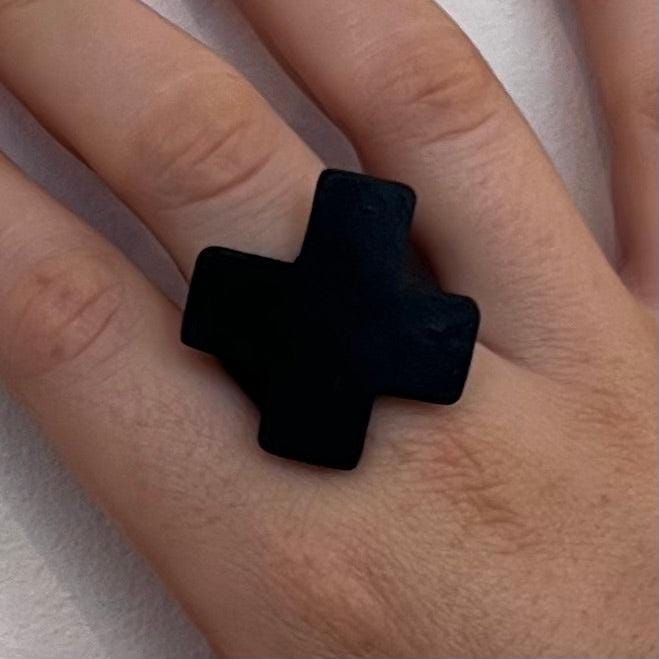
(313, 342)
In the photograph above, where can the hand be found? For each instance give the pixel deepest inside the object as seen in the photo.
(521, 521)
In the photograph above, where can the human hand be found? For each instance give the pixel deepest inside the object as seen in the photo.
(521, 521)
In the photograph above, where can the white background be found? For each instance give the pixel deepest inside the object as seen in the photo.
(69, 585)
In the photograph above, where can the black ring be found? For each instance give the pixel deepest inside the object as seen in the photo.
(315, 341)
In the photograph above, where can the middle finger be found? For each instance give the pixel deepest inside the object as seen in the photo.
(422, 106)
(177, 132)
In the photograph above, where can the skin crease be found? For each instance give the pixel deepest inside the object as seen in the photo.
(520, 522)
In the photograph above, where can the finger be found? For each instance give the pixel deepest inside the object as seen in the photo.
(92, 349)
(166, 443)
(88, 343)
(168, 447)
(422, 106)
(181, 137)
(622, 41)
(84, 333)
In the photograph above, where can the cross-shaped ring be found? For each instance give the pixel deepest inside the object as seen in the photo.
(313, 342)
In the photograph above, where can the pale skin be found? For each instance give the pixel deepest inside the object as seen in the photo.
(520, 522)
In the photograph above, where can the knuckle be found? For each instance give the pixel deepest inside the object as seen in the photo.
(468, 467)
(439, 89)
(193, 144)
(333, 585)
(67, 308)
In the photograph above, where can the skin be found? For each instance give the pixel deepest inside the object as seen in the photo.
(520, 522)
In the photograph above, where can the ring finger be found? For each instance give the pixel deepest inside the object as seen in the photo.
(422, 106)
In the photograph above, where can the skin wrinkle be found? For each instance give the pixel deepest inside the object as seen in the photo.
(64, 309)
(464, 86)
(184, 156)
(522, 520)
(189, 170)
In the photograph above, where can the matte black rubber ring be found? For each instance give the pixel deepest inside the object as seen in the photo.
(313, 342)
